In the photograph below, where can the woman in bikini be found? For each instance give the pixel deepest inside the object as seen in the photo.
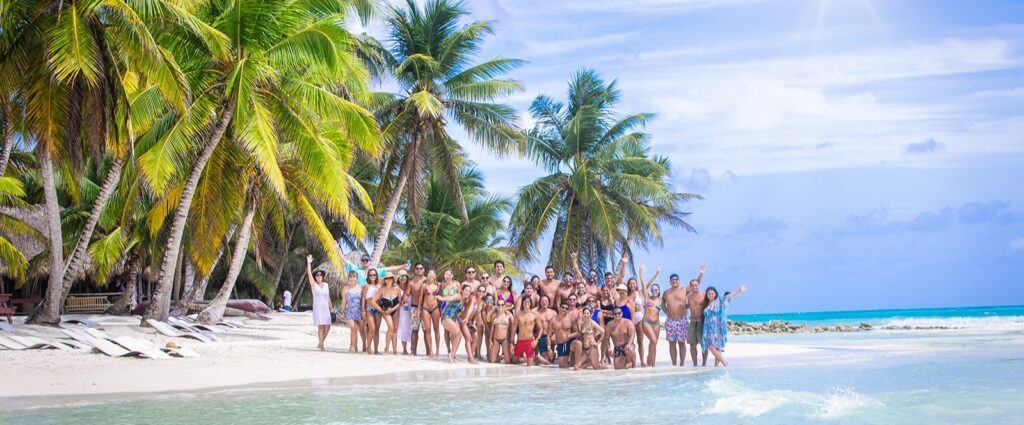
(468, 321)
(636, 308)
(499, 333)
(505, 291)
(586, 346)
(650, 325)
(352, 306)
(485, 322)
(371, 321)
(582, 295)
(450, 314)
(387, 302)
(430, 314)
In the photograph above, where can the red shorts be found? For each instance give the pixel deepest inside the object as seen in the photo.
(524, 348)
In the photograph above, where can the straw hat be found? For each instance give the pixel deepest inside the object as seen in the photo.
(621, 287)
(171, 345)
(389, 275)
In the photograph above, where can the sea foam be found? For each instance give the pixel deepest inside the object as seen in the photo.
(734, 397)
(984, 323)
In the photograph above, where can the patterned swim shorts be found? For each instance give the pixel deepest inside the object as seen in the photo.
(417, 320)
(675, 329)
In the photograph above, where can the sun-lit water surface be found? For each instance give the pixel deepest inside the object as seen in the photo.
(960, 376)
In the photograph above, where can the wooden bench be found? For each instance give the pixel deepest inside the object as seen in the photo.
(5, 307)
(25, 304)
(98, 303)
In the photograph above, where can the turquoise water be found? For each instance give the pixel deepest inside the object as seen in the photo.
(961, 317)
(959, 376)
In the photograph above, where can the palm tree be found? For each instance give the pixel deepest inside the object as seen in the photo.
(604, 191)
(66, 61)
(431, 56)
(441, 239)
(281, 59)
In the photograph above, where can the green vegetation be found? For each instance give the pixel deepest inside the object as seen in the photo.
(177, 142)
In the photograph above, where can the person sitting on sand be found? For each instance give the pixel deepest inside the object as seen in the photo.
(620, 334)
(527, 330)
(586, 346)
(351, 306)
(716, 328)
(321, 302)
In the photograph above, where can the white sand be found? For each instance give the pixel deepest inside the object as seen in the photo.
(282, 349)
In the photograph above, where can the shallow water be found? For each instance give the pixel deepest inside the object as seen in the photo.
(877, 377)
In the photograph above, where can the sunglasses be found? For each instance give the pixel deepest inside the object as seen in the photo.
(470, 271)
(481, 290)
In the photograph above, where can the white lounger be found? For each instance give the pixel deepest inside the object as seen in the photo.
(168, 330)
(141, 346)
(84, 322)
(196, 328)
(11, 344)
(33, 343)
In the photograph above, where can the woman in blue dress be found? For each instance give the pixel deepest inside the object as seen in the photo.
(716, 326)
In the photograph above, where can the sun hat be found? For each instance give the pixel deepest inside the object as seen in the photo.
(621, 287)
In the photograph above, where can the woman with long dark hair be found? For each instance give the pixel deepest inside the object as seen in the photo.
(716, 327)
(371, 322)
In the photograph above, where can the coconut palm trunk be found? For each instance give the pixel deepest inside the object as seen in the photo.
(76, 261)
(48, 313)
(123, 305)
(8, 138)
(393, 201)
(198, 290)
(160, 303)
(215, 311)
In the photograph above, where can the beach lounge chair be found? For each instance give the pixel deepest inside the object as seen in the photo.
(10, 344)
(195, 327)
(83, 322)
(141, 346)
(180, 351)
(100, 345)
(78, 345)
(6, 327)
(170, 331)
(33, 343)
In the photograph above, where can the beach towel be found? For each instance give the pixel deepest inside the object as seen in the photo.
(405, 323)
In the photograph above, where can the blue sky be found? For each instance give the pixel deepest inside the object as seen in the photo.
(854, 154)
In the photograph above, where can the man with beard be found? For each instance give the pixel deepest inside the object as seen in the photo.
(675, 301)
(695, 331)
(416, 290)
(621, 333)
(549, 286)
(563, 334)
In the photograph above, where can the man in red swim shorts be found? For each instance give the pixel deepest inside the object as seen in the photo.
(528, 326)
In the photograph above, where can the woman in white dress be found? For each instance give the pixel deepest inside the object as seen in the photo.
(321, 302)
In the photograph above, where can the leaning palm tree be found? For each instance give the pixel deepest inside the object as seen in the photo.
(441, 239)
(604, 191)
(282, 57)
(432, 55)
(66, 61)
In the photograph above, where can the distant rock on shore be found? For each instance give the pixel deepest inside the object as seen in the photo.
(737, 327)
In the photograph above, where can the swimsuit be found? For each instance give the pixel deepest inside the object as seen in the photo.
(387, 303)
(542, 344)
(562, 350)
(524, 348)
(675, 329)
(620, 350)
(654, 323)
(353, 299)
(370, 292)
(451, 310)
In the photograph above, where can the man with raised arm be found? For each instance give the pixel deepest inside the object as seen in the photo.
(364, 266)
(675, 302)
(695, 332)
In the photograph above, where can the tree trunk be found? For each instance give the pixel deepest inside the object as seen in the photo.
(8, 138)
(198, 291)
(179, 276)
(284, 261)
(76, 261)
(392, 207)
(123, 305)
(48, 313)
(215, 311)
(160, 302)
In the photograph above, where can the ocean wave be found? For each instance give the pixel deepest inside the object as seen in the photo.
(734, 397)
(986, 323)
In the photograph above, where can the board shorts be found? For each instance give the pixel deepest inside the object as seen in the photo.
(542, 344)
(563, 349)
(675, 329)
(524, 348)
(417, 319)
(696, 332)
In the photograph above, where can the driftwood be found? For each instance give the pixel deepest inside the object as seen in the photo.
(228, 311)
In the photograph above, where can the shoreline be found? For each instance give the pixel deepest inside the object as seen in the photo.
(266, 352)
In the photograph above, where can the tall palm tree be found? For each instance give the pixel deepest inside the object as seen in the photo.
(66, 60)
(282, 58)
(441, 239)
(431, 56)
(604, 190)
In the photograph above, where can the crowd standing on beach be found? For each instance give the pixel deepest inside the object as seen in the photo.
(577, 321)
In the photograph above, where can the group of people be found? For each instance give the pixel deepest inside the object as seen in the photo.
(577, 321)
